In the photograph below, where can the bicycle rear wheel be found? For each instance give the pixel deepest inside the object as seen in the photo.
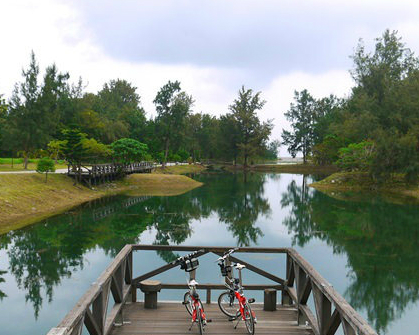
(248, 319)
(228, 304)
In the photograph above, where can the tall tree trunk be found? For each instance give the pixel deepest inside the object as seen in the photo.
(26, 162)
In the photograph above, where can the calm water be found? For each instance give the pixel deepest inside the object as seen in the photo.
(369, 250)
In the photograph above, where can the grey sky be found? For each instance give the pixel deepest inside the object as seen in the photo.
(213, 47)
(264, 38)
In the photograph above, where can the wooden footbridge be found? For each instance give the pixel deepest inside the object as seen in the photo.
(293, 315)
(100, 173)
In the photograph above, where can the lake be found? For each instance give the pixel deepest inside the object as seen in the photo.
(368, 249)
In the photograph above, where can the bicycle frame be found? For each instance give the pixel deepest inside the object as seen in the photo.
(196, 308)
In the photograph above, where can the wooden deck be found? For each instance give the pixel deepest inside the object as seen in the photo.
(172, 318)
(331, 313)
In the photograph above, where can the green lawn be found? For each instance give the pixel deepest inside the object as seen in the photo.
(6, 164)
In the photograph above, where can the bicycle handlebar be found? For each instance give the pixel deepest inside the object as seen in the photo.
(186, 257)
(227, 254)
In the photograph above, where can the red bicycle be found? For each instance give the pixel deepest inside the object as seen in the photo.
(233, 303)
(191, 298)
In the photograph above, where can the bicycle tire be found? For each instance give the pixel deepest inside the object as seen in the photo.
(228, 307)
(188, 302)
(248, 319)
(200, 321)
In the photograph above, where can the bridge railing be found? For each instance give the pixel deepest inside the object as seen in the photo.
(301, 281)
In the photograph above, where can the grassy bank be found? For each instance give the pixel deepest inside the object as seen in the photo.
(159, 184)
(26, 198)
(289, 168)
(180, 169)
(394, 189)
(31, 167)
(6, 164)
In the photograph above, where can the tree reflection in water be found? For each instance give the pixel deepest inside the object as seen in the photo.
(2, 294)
(379, 239)
(42, 254)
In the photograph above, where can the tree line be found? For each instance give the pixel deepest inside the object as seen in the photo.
(376, 128)
(52, 116)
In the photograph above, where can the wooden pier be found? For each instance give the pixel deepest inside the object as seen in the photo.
(99, 173)
(292, 316)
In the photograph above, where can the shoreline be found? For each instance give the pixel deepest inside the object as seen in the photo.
(393, 190)
(26, 198)
(286, 168)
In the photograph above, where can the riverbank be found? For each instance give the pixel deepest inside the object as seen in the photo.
(26, 198)
(287, 168)
(394, 189)
(180, 169)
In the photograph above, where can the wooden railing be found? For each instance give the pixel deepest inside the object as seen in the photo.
(301, 281)
(97, 170)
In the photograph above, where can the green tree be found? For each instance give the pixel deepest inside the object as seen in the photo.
(95, 150)
(118, 104)
(45, 165)
(55, 149)
(127, 150)
(3, 118)
(27, 126)
(271, 151)
(2, 294)
(253, 134)
(73, 149)
(172, 106)
(301, 115)
(229, 138)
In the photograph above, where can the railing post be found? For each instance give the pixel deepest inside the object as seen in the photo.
(133, 286)
(285, 297)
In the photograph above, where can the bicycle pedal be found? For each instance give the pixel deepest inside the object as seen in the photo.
(251, 300)
(231, 319)
(185, 303)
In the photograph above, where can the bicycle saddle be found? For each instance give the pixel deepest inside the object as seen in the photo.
(193, 282)
(239, 266)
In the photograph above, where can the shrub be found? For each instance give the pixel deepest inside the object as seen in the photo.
(183, 154)
(45, 165)
(327, 152)
(356, 156)
(127, 150)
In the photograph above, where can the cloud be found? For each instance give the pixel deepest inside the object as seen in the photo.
(264, 38)
(213, 47)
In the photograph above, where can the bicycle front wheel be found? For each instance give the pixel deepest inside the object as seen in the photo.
(187, 301)
(228, 304)
(249, 319)
(200, 321)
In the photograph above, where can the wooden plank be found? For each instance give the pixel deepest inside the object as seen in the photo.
(347, 328)
(172, 318)
(306, 290)
(116, 309)
(252, 287)
(91, 324)
(334, 323)
(308, 314)
(214, 249)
